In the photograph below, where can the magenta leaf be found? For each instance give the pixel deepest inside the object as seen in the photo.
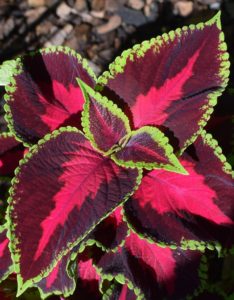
(154, 272)
(45, 82)
(173, 80)
(11, 151)
(148, 148)
(103, 122)
(71, 185)
(59, 281)
(6, 266)
(192, 211)
(115, 229)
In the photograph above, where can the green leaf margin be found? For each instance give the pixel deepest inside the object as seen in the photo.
(120, 278)
(12, 86)
(13, 241)
(11, 267)
(194, 244)
(6, 70)
(67, 292)
(107, 104)
(139, 50)
(159, 138)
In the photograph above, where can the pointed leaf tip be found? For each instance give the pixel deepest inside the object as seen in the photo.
(45, 81)
(68, 189)
(215, 19)
(178, 213)
(104, 123)
(148, 148)
(181, 96)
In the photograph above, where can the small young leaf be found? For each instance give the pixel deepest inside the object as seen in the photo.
(44, 95)
(171, 208)
(6, 265)
(173, 80)
(148, 148)
(103, 122)
(6, 71)
(153, 272)
(71, 185)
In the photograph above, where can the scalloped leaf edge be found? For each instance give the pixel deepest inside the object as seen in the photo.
(120, 278)
(117, 67)
(11, 267)
(106, 103)
(13, 242)
(193, 244)
(163, 142)
(11, 87)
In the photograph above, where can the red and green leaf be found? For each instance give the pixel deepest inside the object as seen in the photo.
(11, 151)
(44, 94)
(117, 291)
(111, 232)
(172, 208)
(88, 279)
(154, 272)
(59, 281)
(6, 265)
(148, 148)
(173, 80)
(103, 122)
(74, 188)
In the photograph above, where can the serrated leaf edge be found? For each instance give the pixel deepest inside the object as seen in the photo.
(12, 86)
(106, 103)
(117, 67)
(10, 269)
(193, 244)
(160, 139)
(120, 278)
(13, 242)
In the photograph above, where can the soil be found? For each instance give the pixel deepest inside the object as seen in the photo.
(97, 29)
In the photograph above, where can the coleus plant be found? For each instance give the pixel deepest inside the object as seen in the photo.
(117, 171)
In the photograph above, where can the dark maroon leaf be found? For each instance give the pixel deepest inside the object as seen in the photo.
(172, 208)
(44, 93)
(148, 148)
(59, 281)
(103, 122)
(219, 124)
(111, 232)
(126, 294)
(173, 80)
(11, 151)
(118, 291)
(62, 190)
(154, 272)
(88, 279)
(6, 266)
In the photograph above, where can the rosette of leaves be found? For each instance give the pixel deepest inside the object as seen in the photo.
(133, 139)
